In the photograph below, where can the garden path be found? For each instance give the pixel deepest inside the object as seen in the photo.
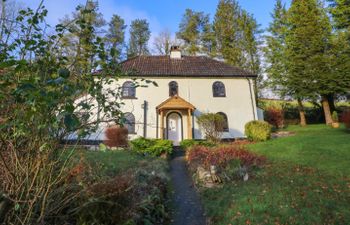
(188, 207)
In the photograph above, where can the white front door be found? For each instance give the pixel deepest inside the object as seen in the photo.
(174, 128)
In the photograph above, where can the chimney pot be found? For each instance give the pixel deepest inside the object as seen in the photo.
(175, 52)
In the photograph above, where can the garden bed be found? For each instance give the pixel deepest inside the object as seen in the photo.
(126, 188)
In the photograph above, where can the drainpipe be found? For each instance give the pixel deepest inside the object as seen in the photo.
(193, 126)
(144, 106)
(251, 98)
(157, 128)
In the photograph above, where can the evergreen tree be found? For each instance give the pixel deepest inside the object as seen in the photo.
(307, 61)
(191, 29)
(208, 40)
(237, 38)
(274, 53)
(250, 46)
(77, 43)
(250, 42)
(340, 10)
(274, 49)
(228, 33)
(139, 37)
(115, 37)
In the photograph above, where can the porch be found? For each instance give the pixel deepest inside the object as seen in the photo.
(176, 121)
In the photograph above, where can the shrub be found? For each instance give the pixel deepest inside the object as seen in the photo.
(345, 118)
(185, 144)
(212, 125)
(275, 117)
(160, 147)
(154, 147)
(335, 117)
(258, 130)
(222, 156)
(133, 197)
(116, 136)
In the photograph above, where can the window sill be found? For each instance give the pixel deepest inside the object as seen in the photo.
(126, 97)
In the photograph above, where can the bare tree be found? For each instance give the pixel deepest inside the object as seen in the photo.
(163, 42)
(9, 10)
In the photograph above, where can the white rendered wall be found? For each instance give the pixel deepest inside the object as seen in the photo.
(237, 104)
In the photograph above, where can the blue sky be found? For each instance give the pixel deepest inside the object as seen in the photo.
(161, 14)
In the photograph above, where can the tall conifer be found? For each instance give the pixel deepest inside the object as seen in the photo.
(307, 61)
(139, 37)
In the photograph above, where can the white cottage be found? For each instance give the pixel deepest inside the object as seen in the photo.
(187, 87)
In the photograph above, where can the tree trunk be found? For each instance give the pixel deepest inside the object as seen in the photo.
(330, 98)
(327, 110)
(301, 113)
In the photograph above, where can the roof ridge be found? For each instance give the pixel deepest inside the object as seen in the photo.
(190, 66)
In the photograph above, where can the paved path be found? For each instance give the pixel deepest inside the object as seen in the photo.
(188, 208)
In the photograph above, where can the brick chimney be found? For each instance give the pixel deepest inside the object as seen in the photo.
(175, 52)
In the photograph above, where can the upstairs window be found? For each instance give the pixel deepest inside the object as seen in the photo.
(129, 122)
(219, 89)
(225, 125)
(173, 88)
(128, 90)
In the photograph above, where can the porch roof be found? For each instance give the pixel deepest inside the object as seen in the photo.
(175, 102)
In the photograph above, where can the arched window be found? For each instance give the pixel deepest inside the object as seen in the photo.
(173, 88)
(128, 90)
(129, 122)
(225, 124)
(219, 89)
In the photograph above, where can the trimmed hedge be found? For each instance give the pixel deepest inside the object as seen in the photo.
(153, 147)
(185, 144)
(258, 130)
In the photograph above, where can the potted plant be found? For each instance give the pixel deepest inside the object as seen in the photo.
(335, 118)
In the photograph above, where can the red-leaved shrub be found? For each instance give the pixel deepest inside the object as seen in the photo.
(116, 136)
(345, 118)
(221, 156)
(275, 117)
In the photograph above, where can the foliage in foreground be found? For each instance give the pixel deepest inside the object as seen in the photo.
(258, 130)
(45, 95)
(153, 147)
(128, 189)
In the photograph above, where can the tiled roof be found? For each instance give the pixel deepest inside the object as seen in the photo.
(187, 66)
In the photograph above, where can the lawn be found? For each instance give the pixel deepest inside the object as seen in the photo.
(318, 146)
(306, 181)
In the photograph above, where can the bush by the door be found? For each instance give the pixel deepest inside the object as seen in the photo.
(153, 147)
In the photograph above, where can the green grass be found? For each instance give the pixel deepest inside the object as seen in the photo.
(318, 146)
(306, 181)
(112, 162)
